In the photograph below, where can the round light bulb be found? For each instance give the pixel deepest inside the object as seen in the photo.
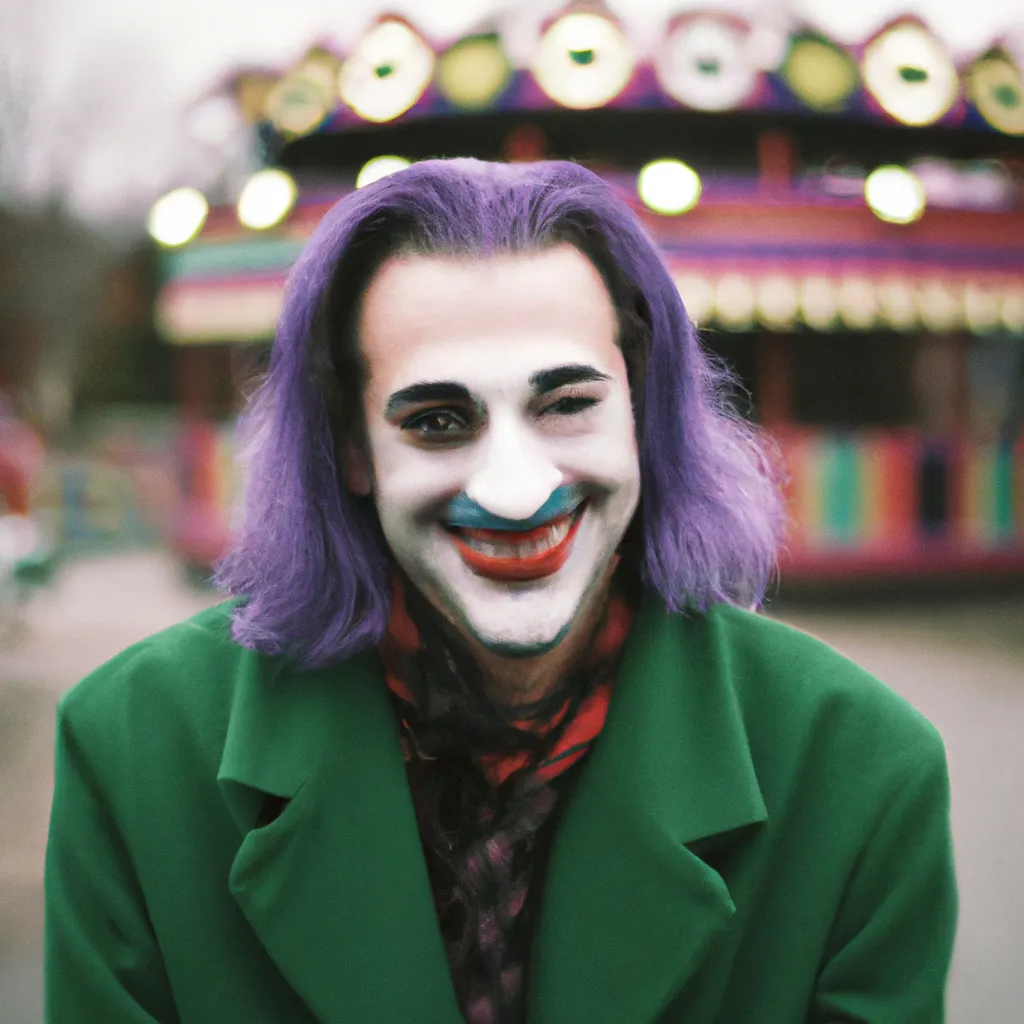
(895, 195)
(668, 187)
(584, 61)
(380, 167)
(910, 73)
(267, 199)
(177, 217)
(704, 63)
(387, 72)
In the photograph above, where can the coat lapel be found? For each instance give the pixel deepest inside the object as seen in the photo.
(336, 887)
(629, 912)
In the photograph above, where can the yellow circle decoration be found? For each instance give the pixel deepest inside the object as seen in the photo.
(778, 301)
(387, 72)
(473, 73)
(306, 96)
(668, 187)
(910, 73)
(735, 302)
(897, 303)
(858, 303)
(584, 61)
(704, 63)
(981, 308)
(819, 302)
(941, 306)
(1012, 310)
(267, 198)
(380, 167)
(895, 194)
(996, 87)
(820, 74)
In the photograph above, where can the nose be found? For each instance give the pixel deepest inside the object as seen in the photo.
(514, 477)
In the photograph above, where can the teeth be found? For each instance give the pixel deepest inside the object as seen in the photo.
(553, 536)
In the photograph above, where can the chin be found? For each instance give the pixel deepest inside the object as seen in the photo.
(524, 620)
(513, 647)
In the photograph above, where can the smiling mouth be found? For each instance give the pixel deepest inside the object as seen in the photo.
(509, 555)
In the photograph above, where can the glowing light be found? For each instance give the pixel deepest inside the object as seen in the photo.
(473, 73)
(387, 72)
(1012, 311)
(705, 64)
(778, 301)
(584, 61)
(996, 87)
(941, 306)
(267, 199)
(910, 74)
(894, 194)
(178, 217)
(668, 187)
(857, 301)
(819, 73)
(250, 91)
(897, 303)
(379, 167)
(819, 302)
(735, 302)
(981, 308)
(304, 98)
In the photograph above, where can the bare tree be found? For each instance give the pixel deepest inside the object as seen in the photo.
(88, 138)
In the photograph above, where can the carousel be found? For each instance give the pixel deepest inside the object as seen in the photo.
(845, 225)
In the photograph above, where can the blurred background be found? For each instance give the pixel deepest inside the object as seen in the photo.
(838, 190)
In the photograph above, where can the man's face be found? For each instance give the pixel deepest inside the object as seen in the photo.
(503, 460)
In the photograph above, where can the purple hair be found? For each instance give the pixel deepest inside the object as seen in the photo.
(310, 561)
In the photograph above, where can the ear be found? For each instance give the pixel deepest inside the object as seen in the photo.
(358, 476)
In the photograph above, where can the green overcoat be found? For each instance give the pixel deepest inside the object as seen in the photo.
(760, 835)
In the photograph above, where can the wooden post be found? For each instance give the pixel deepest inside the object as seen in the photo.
(774, 398)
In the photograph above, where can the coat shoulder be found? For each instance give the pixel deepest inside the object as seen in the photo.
(786, 676)
(188, 669)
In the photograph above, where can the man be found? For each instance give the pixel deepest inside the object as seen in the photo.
(488, 734)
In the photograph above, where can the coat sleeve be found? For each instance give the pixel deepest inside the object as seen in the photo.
(101, 958)
(892, 942)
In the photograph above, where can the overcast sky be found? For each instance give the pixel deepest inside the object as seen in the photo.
(95, 92)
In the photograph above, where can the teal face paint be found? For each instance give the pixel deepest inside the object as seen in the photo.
(463, 512)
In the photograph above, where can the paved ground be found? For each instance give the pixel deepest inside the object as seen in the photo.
(961, 664)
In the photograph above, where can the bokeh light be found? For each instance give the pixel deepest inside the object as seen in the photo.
(304, 98)
(177, 217)
(996, 87)
(380, 167)
(387, 73)
(668, 187)
(268, 197)
(705, 65)
(819, 73)
(473, 73)
(895, 194)
(911, 75)
(584, 61)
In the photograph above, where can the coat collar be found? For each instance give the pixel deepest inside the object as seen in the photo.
(336, 887)
(628, 910)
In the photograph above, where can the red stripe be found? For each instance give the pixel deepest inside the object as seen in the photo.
(579, 733)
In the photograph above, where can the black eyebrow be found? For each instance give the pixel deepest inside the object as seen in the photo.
(427, 391)
(544, 381)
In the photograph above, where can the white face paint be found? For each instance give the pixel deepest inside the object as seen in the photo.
(503, 458)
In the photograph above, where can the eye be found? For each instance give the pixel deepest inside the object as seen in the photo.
(570, 405)
(438, 424)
